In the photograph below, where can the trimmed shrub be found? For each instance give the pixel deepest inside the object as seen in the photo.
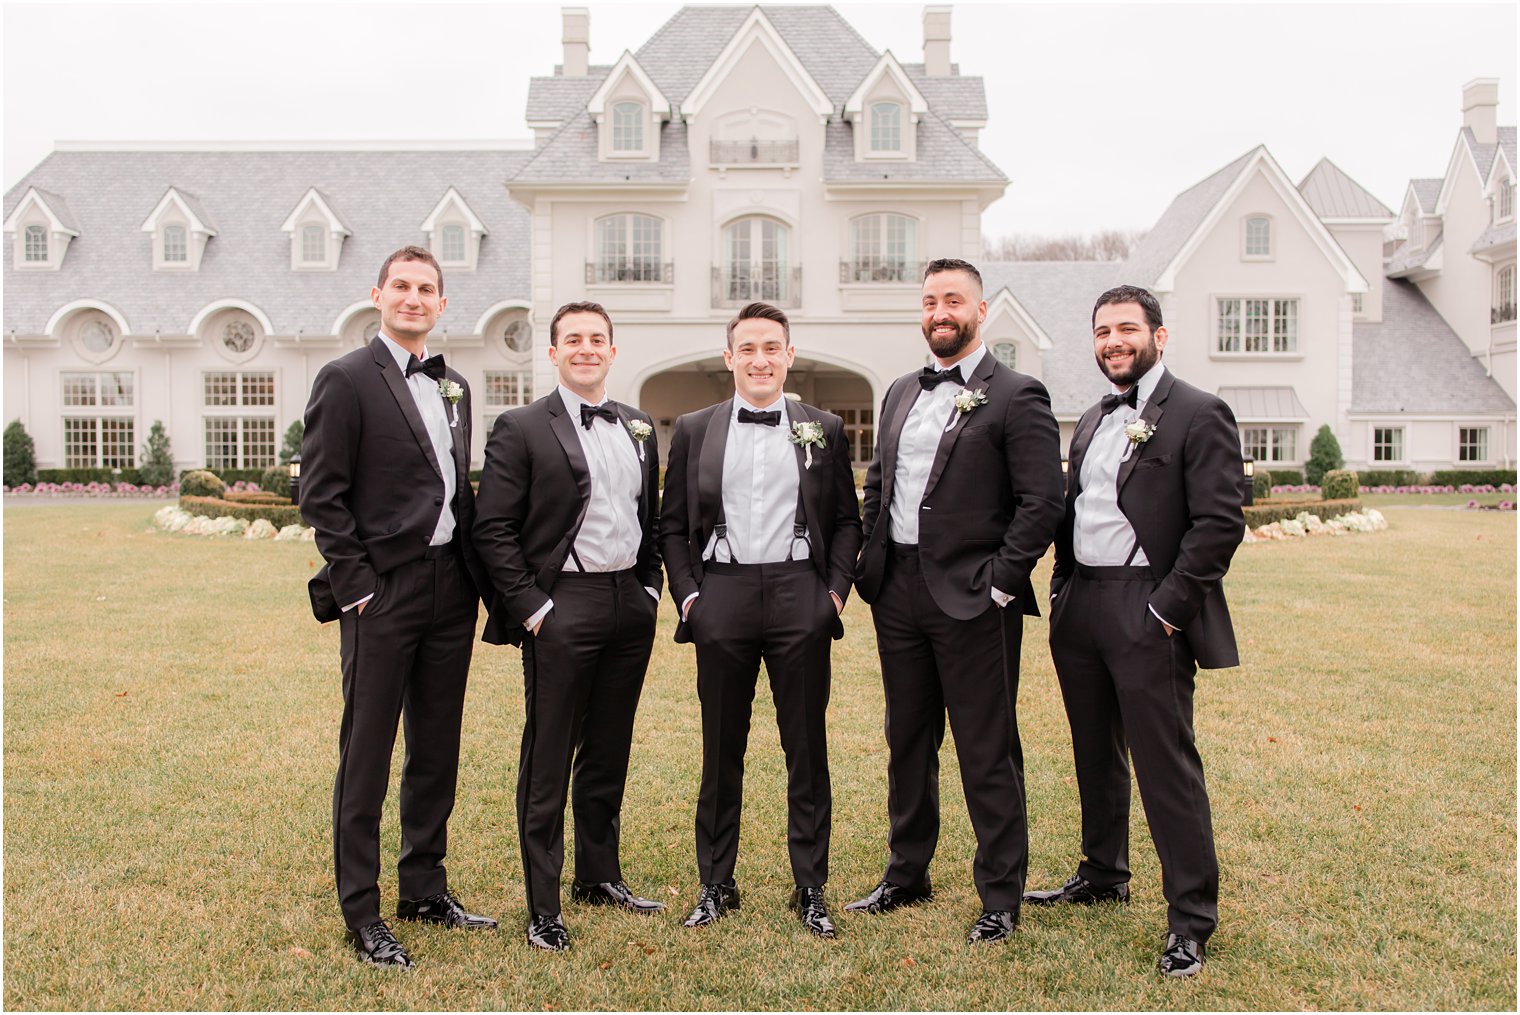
(276, 480)
(1261, 485)
(157, 462)
(1390, 477)
(1340, 484)
(1477, 477)
(1324, 455)
(87, 476)
(292, 445)
(229, 476)
(278, 515)
(1282, 475)
(254, 497)
(1280, 510)
(20, 455)
(201, 483)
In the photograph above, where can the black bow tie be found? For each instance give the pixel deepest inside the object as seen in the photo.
(432, 366)
(931, 378)
(772, 418)
(1129, 398)
(590, 412)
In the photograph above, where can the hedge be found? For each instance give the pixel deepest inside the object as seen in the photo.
(278, 515)
(1261, 485)
(88, 476)
(254, 497)
(1278, 510)
(1282, 475)
(1477, 477)
(1390, 477)
(230, 476)
(1340, 484)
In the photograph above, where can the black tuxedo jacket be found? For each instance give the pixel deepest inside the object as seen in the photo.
(534, 492)
(1181, 492)
(993, 499)
(371, 484)
(694, 494)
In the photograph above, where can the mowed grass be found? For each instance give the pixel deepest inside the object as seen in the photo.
(171, 717)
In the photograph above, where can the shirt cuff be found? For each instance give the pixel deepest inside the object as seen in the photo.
(1159, 617)
(1000, 597)
(358, 602)
(537, 618)
(686, 603)
(653, 593)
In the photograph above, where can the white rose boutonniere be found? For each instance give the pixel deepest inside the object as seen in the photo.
(966, 401)
(808, 435)
(1139, 431)
(640, 432)
(451, 393)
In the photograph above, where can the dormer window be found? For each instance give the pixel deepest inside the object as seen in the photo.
(454, 232)
(41, 227)
(176, 249)
(36, 245)
(886, 127)
(316, 233)
(628, 127)
(884, 111)
(313, 244)
(451, 249)
(180, 228)
(627, 110)
(1506, 200)
(1257, 240)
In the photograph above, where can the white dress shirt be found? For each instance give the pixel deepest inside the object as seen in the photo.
(760, 480)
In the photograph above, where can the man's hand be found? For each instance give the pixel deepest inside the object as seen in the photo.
(838, 603)
(536, 627)
(360, 608)
(1169, 628)
(686, 606)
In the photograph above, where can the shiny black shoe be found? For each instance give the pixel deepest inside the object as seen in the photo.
(548, 933)
(376, 945)
(613, 893)
(1181, 958)
(444, 909)
(887, 896)
(808, 902)
(1080, 891)
(992, 925)
(712, 902)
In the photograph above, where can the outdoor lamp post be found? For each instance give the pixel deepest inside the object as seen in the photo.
(295, 479)
(1249, 496)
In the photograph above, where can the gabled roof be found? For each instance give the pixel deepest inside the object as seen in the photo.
(313, 196)
(572, 157)
(189, 205)
(1494, 237)
(1483, 155)
(756, 28)
(1414, 362)
(1161, 243)
(452, 196)
(1005, 302)
(553, 100)
(1426, 191)
(941, 155)
(60, 218)
(886, 67)
(1408, 258)
(956, 97)
(628, 66)
(1335, 196)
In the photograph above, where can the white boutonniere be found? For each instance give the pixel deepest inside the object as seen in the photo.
(966, 401)
(1139, 431)
(639, 431)
(451, 393)
(808, 435)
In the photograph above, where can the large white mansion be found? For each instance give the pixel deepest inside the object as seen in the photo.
(740, 153)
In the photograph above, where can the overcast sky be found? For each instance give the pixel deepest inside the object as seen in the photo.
(1099, 114)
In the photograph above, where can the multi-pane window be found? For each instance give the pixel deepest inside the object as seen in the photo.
(1504, 295)
(175, 249)
(1507, 199)
(1007, 354)
(883, 248)
(97, 336)
(886, 127)
(239, 440)
(451, 245)
(313, 244)
(1257, 325)
(1269, 443)
(518, 336)
(1387, 444)
(505, 389)
(96, 433)
(1258, 237)
(627, 127)
(1358, 304)
(1472, 444)
(36, 244)
(859, 431)
(629, 248)
(756, 262)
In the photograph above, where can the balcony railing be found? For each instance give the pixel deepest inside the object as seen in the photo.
(782, 287)
(620, 272)
(879, 269)
(1502, 314)
(754, 150)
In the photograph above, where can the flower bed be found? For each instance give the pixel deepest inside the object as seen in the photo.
(93, 490)
(1503, 505)
(1306, 524)
(1425, 488)
(173, 518)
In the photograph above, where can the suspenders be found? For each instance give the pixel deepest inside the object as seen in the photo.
(799, 530)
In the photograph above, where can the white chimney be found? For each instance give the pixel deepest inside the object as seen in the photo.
(1480, 109)
(937, 41)
(577, 39)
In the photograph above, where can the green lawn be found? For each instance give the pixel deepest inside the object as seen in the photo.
(171, 715)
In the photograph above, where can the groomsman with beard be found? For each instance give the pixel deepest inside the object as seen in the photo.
(961, 501)
(760, 531)
(568, 509)
(386, 487)
(1152, 520)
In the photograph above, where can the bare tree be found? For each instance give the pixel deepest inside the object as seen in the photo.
(1106, 245)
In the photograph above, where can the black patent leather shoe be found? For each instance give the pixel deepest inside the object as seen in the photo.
(548, 933)
(1182, 957)
(443, 909)
(712, 902)
(808, 902)
(887, 896)
(376, 945)
(613, 893)
(1079, 891)
(993, 925)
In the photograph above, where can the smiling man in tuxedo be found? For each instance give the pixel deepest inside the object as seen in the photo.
(566, 524)
(760, 531)
(385, 484)
(1152, 520)
(961, 500)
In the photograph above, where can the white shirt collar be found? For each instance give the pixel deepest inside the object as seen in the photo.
(740, 402)
(1146, 384)
(573, 402)
(402, 357)
(967, 365)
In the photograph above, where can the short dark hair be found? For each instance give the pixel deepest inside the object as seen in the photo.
(1131, 294)
(761, 312)
(940, 264)
(579, 307)
(410, 252)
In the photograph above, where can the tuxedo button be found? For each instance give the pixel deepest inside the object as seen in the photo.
(437, 500)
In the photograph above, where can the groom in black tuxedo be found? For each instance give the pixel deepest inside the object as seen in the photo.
(1152, 520)
(385, 484)
(961, 500)
(569, 504)
(760, 530)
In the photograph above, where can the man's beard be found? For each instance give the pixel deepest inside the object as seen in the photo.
(1145, 357)
(949, 348)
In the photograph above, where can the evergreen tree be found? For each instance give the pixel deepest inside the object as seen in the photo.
(1324, 456)
(157, 461)
(20, 455)
(292, 446)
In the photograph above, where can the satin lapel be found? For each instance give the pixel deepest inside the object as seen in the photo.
(891, 436)
(564, 426)
(809, 480)
(978, 382)
(710, 465)
(1086, 427)
(396, 381)
(457, 444)
(639, 451)
(1152, 415)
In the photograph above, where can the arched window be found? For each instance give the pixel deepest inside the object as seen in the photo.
(238, 336)
(451, 245)
(36, 243)
(883, 248)
(313, 244)
(1258, 236)
(1007, 354)
(629, 248)
(518, 336)
(756, 263)
(97, 336)
(627, 127)
(886, 127)
(175, 249)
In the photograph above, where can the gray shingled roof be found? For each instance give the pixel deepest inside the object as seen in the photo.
(1264, 403)
(1334, 195)
(384, 197)
(197, 207)
(572, 156)
(1408, 257)
(1426, 190)
(1507, 146)
(954, 97)
(1494, 236)
(1483, 154)
(558, 98)
(942, 153)
(1182, 217)
(55, 202)
(1414, 362)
